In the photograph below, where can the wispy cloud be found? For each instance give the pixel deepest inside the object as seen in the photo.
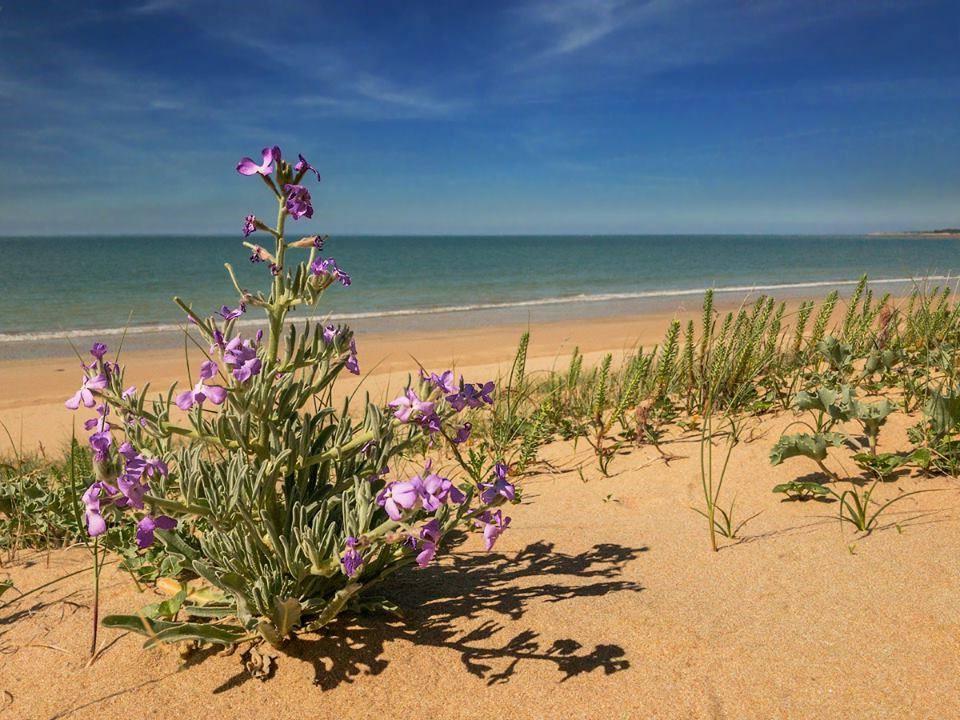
(571, 25)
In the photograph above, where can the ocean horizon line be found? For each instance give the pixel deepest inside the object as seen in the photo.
(459, 235)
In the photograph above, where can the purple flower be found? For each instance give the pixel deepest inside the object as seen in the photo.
(444, 381)
(156, 466)
(96, 525)
(98, 350)
(101, 442)
(241, 355)
(208, 368)
(249, 225)
(494, 524)
(298, 201)
(409, 407)
(232, 314)
(218, 342)
(84, 395)
(463, 433)
(136, 466)
(437, 490)
(471, 395)
(246, 166)
(353, 363)
(200, 394)
(327, 267)
(318, 241)
(147, 526)
(330, 333)
(500, 486)
(399, 496)
(429, 539)
(351, 560)
(127, 451)
(303, 166)
(99, 422)
(129, 392)
(131, 487)
(257, 254)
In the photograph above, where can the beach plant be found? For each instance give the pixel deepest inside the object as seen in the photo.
(721, 393)
(855, 504)
(801, 490)
(720, 521)
(829, 408)
(518, 423)
(38, 507)
(281, 503)
(937, 448)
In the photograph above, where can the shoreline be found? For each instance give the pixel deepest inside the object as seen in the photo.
(32, 408)
(459, 318)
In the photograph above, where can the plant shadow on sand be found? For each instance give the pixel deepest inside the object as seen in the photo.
(440, 602)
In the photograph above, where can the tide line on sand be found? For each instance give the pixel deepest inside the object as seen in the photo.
(447, 309)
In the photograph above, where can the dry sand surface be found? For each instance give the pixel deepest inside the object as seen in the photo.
(601, 601)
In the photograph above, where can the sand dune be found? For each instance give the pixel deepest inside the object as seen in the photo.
(602, 600)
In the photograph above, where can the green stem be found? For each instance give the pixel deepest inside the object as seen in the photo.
(96, 596)
(278, 310)
(338, 452)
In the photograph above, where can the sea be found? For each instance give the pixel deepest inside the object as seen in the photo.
(58, 288)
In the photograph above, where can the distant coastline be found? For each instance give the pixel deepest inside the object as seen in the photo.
(941, 233)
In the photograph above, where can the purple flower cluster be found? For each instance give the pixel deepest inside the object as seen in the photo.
(249, 225)
(128, 488)
(428, 492)
(96, 379)
(351, 559)
(241, 356)
(328, 268)
(128, 492)
(472, 396)
(298, 201)
(409, 408)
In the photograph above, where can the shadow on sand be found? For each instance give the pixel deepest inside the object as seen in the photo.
(450, 606)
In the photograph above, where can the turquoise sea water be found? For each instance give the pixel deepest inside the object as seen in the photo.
(52, 287)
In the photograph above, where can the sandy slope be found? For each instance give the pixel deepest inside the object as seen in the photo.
(602, 600)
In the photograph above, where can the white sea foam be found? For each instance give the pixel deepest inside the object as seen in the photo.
(447, 309)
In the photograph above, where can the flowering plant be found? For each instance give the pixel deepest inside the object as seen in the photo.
(281, 508)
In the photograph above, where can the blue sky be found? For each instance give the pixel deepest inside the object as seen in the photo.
(483, 117)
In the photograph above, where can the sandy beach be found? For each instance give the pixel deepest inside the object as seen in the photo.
(603, 600)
